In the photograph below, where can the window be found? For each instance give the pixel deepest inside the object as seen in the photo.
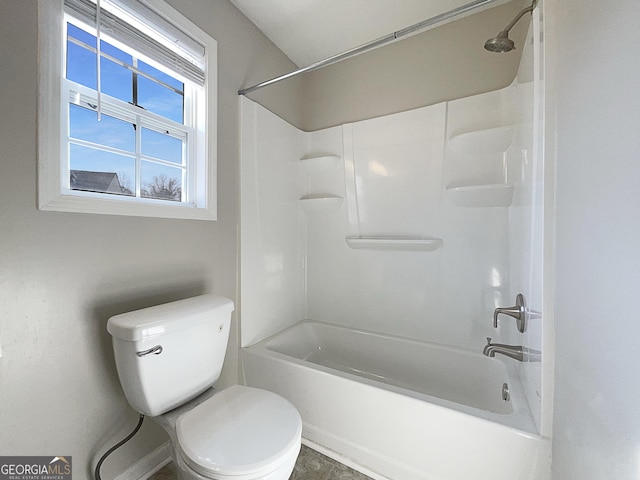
(126, 110)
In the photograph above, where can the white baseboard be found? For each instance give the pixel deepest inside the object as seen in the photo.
(148, 465)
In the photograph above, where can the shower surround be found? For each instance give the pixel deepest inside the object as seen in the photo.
(412, 227)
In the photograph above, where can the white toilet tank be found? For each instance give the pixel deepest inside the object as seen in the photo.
(169, 354)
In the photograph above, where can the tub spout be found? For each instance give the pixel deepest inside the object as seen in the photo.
(518, 352)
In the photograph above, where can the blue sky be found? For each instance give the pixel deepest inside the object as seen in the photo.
(117, 81)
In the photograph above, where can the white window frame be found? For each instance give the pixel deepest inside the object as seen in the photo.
(53, 178)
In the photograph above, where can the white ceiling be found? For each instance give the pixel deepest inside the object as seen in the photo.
(308, 31)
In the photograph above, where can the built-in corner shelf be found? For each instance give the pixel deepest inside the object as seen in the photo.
(496, 195)
(320, 164)
(482, 142)
(320, 203)
(394, 242)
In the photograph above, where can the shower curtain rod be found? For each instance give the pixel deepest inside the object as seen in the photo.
(443, 17)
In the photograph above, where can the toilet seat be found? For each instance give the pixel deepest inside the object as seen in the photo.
(240, 432)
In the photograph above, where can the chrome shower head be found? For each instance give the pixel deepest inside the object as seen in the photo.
(501, 43)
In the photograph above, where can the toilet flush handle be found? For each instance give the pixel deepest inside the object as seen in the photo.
(157, 350)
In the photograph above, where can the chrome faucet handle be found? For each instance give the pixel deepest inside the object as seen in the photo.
(518, 312)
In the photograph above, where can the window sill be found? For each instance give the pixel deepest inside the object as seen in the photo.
(104, 206)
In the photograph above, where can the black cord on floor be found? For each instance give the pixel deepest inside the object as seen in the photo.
(116, 446)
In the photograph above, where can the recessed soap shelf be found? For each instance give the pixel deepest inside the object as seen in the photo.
(320, 202)
(394, 242)
(320, 164)
(494, 195)
(482, 142)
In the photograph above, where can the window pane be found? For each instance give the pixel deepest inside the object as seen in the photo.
(95, 170)
(81, 35)
(116, 52)
(84, 125)
(162, 146)
(116, 80)
(161, 182)
(81, 65)
(160, 100)
(163, 77)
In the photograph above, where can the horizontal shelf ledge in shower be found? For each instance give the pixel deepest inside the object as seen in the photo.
(482, 142)
(320, 164)
(394, 242)
(495, 195)
(320, 202)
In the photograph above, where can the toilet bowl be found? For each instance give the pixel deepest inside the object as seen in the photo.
(238, 433)
(168, 357)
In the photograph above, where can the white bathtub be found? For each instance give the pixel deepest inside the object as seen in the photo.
(399, 409)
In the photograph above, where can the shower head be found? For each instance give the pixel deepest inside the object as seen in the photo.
(501, 43)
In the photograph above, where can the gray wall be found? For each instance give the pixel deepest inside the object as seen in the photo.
(445, 63)
(596, 432)
(62, 275)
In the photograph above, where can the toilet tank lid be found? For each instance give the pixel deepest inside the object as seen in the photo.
(170, 317)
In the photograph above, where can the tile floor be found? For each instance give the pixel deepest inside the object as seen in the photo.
(311, 465)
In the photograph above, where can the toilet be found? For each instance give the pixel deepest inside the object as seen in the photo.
(168, 357)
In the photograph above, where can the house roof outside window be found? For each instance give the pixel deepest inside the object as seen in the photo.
(105, 182)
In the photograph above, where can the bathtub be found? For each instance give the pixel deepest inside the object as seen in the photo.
(399, 409)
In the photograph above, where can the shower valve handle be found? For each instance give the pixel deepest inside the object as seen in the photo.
(518, 312)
